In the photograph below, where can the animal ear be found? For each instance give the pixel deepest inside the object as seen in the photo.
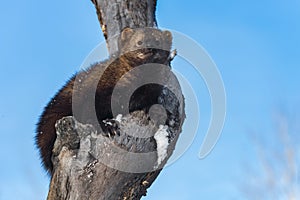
(126, 33)
(167, 35)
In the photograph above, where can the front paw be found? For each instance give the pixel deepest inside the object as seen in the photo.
(111, 127)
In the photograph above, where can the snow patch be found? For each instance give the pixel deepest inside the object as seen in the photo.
(162, 142)
(119, 118)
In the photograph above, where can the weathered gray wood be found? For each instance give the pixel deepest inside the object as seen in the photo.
(115, 15)
(79, 171)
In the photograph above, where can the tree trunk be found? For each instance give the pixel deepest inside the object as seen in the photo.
(89, 165)
(115, 15)
(81, 174)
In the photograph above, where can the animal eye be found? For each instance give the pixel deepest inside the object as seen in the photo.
(139, 43)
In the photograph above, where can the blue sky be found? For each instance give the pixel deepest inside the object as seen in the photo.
(256, 46)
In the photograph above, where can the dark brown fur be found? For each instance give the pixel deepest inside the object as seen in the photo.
(155, 49)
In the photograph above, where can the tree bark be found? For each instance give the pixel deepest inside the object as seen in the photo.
(115, 15)
(80, 173)
(90, 165)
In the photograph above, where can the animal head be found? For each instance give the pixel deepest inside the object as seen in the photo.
(145, 42)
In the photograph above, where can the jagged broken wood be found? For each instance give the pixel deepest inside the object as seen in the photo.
(79, 169)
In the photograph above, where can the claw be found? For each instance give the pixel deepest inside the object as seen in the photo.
(111, 127)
